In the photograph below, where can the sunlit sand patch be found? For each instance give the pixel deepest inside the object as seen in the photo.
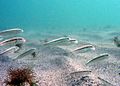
(51, 78)
(76, 64)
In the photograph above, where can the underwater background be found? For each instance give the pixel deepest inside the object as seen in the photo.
(58, 16)
(95, 21)
(90, 22)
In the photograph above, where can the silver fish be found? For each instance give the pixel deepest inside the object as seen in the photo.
(98, 58)
(58, 40)
(9, 50)
(79, 73)
(84, 47)
(28, 52)
(61, 41)
(10, 32)
(13, 41)
(106, 83)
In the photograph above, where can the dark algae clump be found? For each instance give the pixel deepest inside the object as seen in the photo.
(20, 77)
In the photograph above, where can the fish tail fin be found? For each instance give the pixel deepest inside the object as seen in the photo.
(1, 44)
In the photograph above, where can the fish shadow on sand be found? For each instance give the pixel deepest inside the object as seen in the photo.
(5, 58)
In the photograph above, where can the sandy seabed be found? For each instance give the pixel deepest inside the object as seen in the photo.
(58, 66)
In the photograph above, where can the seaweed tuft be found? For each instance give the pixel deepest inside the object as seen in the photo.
(19, 77)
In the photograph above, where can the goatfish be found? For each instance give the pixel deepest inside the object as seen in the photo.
(61, 40)
(84, 47)
(28, 52)
(98, 58)
(13, 41)
(106, 83)
(9, 50)
(10, 32)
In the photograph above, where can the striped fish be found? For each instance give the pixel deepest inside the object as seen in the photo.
(98, 58)
(61, 40)
(28, 52)
(10, 32)
(58, 40)
(9, 50)
(13, 41)
(80, 72)
(84, 47)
